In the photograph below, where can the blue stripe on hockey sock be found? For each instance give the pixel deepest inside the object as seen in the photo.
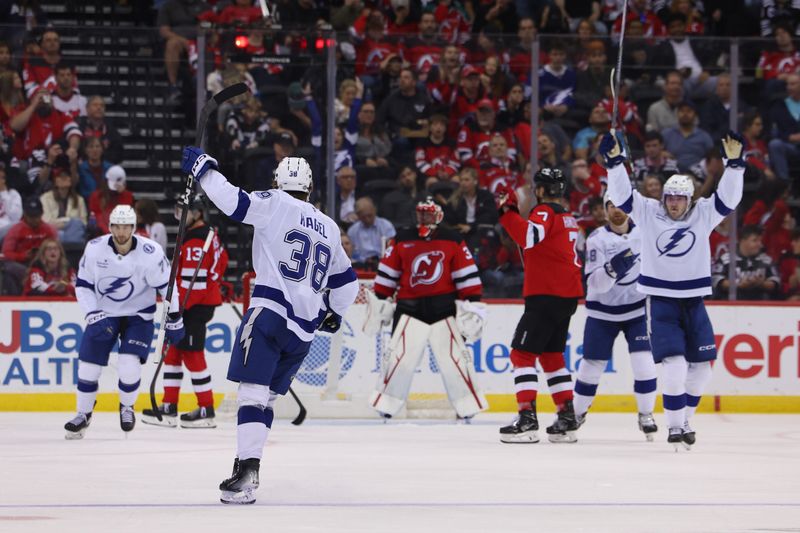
(674, 403)
(250, 413)
(87, 386)
(644, 386)
(133, 387)
(585, 389)
(269, 414)
(692, 401)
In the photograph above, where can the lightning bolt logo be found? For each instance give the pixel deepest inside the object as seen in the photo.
(675, 243)
(113, 285)
(246, 338)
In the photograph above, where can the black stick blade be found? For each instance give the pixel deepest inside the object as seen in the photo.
(230, 92)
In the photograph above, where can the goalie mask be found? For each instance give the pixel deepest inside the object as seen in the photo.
(429, 215)
(293, 174)
(678, 185)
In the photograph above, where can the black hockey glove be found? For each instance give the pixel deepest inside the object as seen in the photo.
(331, 323)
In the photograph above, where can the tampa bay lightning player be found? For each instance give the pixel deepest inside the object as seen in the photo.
(676, 274)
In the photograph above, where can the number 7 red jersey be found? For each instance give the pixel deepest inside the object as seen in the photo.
(548, 239)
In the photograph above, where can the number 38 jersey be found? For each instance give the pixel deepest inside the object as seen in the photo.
(297, 254)
(547, 238)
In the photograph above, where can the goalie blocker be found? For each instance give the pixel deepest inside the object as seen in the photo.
(437, 286)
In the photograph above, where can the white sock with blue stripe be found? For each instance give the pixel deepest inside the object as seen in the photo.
(644, 381)
(697, 378)
(673, 378)
(589, 373)
(254, 420)
(129, 368)
(88, 377)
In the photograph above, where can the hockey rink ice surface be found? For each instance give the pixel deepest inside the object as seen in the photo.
(404, 476)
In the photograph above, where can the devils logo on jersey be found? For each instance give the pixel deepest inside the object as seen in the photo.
(427, 268)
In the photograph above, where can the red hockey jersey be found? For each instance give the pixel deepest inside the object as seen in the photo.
(773, 64)
(472, 145)
(42, 283)
(434, 158)
(548, 238)
(205, 290)
(420, 268)
(36, 72)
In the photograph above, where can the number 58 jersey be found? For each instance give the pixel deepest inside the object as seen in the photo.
(301, 268)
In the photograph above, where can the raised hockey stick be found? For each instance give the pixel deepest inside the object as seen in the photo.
(616, 73)
(301, 416)
(202, 122)
(165, 345)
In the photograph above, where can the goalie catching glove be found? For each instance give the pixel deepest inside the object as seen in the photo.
(470, 319)
(379, 314)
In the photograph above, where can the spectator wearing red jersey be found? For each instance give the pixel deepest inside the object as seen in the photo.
(97, 124)
(789, 268)
(424, 50)
(473, 141)
(65, 97)
(771, 213)
(639, 10)
(628, 116)
(500, 168)
(443, 79)
(520, 53)
(239, 12)
(775, 65)
(454, 21)
(465, 101)
(756, 153)
(50, 273)
(719, 238)
(482, 46)
(401, 21)
(374, 49)
(111, 194)
(435, 156)
(694, 18)
(22, 244)
(38, 71)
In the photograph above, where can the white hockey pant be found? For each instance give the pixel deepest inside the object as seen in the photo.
(406, 348)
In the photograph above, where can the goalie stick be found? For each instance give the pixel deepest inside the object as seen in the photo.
(202, 122)
(301, 416)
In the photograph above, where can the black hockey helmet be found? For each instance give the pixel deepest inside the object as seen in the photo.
(553, 181)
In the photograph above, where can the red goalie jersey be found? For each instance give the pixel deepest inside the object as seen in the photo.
(206, 288)
(548, 238)
(421, 268)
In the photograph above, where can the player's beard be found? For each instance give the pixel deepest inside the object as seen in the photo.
(122, 243)
(617, 219)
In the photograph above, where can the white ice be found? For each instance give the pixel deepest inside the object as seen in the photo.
(366, 476)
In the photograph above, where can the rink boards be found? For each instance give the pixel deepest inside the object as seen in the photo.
(757, 369)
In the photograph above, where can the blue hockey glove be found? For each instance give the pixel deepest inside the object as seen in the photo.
(99, 327)
(173, 330)
(196, 162)
(331, 323)
(611, 151)
(733, 145)
(621, 263)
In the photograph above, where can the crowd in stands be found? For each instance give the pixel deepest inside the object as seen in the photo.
(433, 98)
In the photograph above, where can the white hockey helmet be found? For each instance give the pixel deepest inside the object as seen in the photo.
(293, 174)
(679, 185)
(122, 214)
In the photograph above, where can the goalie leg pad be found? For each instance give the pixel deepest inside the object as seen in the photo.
(405, 352)
(455, 365)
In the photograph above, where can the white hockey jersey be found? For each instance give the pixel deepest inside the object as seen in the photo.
(123, 285)
(676, 256)
(607, 297)
(297, 254)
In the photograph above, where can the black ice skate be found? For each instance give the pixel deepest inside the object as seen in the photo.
(580, 419)
(675, 438)
(127, 418)
(522, 430)
(77, 426)
(169, 415)
(240, 488)
(688, 435)
(202, 417)
(647, 425)
(563, 429)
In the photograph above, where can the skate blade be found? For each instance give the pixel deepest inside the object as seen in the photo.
(528, 437)
(649, 437)
(681, 446)
(75, 435)
(244, 497)
(202, 423)
(560, 438)
(166, 421)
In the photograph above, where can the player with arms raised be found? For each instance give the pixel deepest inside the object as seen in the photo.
(613, 305)
(115, 288)
(304, 282)
(438, 289)
(676, 274)
(551, 289)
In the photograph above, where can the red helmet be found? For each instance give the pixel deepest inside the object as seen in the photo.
(429, 215)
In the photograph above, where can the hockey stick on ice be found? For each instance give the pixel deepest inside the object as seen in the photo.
(301, 416)
(165, 345)
(202, 121)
